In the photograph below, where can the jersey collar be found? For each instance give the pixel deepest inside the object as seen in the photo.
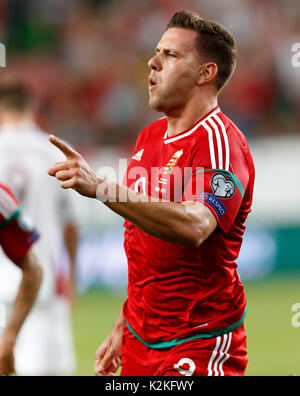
(191, 130)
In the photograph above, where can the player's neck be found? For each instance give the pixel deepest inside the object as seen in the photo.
(181, 120)
(16, 118)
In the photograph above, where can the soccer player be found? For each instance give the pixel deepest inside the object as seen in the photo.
(45, 345)
(185, 199)
(16, 239)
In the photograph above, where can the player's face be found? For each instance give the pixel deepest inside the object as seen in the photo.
(174, 70)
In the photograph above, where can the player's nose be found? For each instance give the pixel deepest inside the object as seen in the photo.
(154, 63)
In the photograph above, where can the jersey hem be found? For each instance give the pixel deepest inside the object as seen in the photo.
(205, 336)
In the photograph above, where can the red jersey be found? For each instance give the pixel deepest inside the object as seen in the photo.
(178, 293)
(16, 234)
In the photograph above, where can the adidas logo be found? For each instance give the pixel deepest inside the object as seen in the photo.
(138, 156)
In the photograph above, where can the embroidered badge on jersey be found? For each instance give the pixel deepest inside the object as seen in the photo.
(173, 162)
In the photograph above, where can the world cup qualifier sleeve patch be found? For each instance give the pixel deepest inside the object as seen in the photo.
(221, 186)
(221, 191)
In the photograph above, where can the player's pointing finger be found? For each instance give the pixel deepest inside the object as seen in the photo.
(63, 147)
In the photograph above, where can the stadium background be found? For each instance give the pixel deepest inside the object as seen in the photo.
(86, 62)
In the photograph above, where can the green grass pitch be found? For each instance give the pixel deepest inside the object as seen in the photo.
(273, 343)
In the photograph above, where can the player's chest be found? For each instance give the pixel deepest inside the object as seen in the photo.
(160, 171)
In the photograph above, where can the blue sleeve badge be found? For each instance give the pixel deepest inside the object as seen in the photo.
(215, 203)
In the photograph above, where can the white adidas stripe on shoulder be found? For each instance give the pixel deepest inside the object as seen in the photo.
(211, 146)
(227, 149)
(219, 143)
(216, 128)
(7, 205)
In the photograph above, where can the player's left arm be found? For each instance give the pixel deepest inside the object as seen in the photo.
(188, 223)
(17, 236)
(27, 293)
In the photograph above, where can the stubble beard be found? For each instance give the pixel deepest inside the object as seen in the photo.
(158, 102)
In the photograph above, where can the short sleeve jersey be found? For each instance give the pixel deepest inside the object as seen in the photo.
(176, 292)
(17, 234)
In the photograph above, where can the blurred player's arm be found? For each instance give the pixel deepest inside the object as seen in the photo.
(27, 293)
(17, 236)
(108, 356)
(71, 242)
(169, 221)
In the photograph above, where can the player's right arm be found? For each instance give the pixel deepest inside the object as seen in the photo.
(170, 221)
(16, 239)
(108, 356)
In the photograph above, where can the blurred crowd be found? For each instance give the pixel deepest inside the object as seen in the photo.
(86, 60)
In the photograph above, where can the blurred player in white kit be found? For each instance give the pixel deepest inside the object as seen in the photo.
(45, 345)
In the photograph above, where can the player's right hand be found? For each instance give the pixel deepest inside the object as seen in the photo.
(75, 172)
(108, 356)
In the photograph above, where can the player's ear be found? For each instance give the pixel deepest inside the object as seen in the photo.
(207, 73)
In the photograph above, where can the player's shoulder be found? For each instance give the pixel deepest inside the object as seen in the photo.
(38, 138)
(156, 129)
(235, 135)
(218, 128)
(238, 144)
(220, 132)
(219, 143)
(28, 138)
(9, 205)
(6, 194)
(37, 142)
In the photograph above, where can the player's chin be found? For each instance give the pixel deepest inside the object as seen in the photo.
(156, 105)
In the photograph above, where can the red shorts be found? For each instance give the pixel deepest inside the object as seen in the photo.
(225, 355)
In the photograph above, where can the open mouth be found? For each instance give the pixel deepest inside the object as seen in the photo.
(152, 84)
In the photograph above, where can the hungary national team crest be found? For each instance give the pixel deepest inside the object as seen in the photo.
(173, 162)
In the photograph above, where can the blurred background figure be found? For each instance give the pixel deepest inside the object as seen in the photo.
(86, 64)
(17, 237)
(45, 345)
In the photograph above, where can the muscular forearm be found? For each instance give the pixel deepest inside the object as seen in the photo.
(120, 322)
(170, 221)
(28, 290)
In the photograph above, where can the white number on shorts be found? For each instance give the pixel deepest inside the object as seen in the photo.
(187, 372)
